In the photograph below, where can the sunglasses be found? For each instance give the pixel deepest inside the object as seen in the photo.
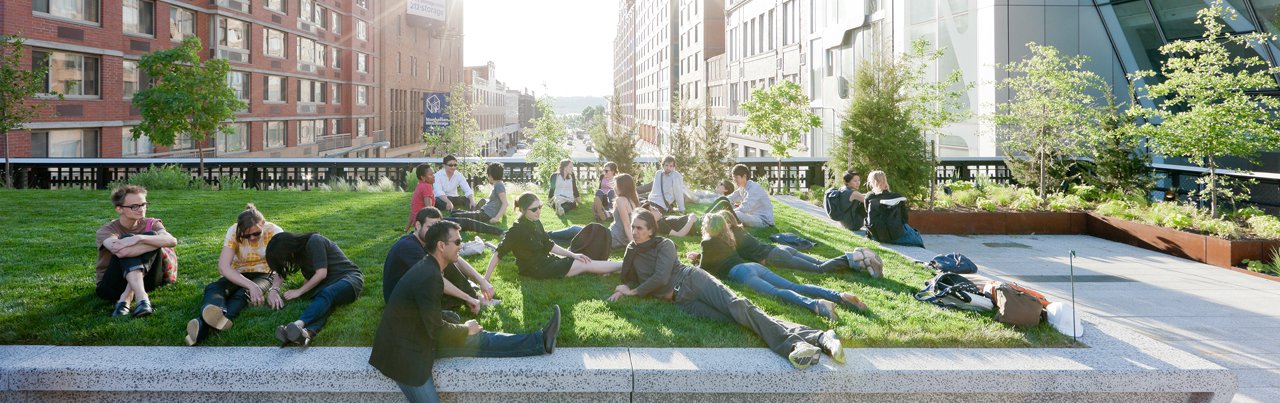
(457, 242)
(534, 209)
(251, 235)
(136, 207)
(451, 165)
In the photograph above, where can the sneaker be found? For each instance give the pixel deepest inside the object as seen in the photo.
(298, 334)
(215, 317)
(122, 309)
(559, 209)
(829, 342)
(550, 331)
(193, 332)
(848, 300)
(143, 309)
(826, 309)
(282, 335)
(804, 355)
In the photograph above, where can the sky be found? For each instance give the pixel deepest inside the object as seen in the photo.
(555, 47)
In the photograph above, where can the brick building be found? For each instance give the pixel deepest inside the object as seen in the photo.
(421, 55)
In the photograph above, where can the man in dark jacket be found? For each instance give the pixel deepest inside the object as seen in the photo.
(413, 334)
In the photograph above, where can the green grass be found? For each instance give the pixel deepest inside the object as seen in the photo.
(47, 274)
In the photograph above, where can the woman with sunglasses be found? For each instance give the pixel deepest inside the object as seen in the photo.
(602, 206)
(532, 246)
(245, 276)
(651, 268)
(335, 280)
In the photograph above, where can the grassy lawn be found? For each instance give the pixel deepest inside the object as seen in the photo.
(46, 269)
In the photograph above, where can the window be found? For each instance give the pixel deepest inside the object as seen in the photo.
(276, 5)
(413, 66)
(183, 142)
(309, 129)
(362, 29)
(335, 22)
(363, 3)
(182, 23)
(275, 89)
(134, 80)
(233, 33)
(236, 141)
(362, 62)
(362, 94)
(310, 91)
(71, 143)
(319, 16)
(69, 73)
(131, 147)
(140, 17)
(335, 93)
(275, 135)
(306, 9)
(81, 10)
(320, 50)
(239, 83)
(333, 57)
(306, 50)
(361, 127)
(274, 42)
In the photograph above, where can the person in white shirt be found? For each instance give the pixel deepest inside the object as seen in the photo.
(755, 209)
(448, 180)
(668, 189)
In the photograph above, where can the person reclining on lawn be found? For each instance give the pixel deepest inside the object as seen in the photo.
(447, 184)
(531, 243)
(563, 193)
(334, 278)
(495, 207)
(676, 225)
(413, 333)
(410, 248)
(887, 214)
(780, 256)
(652, 269)
(245, 276)
(753, 206)
(130, 260)
(620, 228)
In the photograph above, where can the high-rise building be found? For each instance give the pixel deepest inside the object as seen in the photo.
(422, 58)
(488, 105)
(764, 47)
(624, 66)
(656, 67)
(701, 38)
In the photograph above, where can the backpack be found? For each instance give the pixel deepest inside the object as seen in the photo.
(832, 200)
(792, 240)
(1015, 307)
(953, 263)
(950, 290)
(168, 256)
(595, 241)
(887, 216)
(989, 289)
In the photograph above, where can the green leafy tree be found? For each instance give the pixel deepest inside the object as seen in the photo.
(1207, 107)
(1051, 116)
(17, 86)
(620, 145)
(686, 122)
(1121, 163)
(188, 96)
(549, 140)
(780, 114)
(714, 156)
(463, 136)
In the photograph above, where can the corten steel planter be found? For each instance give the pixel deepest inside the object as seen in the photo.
(998, 223)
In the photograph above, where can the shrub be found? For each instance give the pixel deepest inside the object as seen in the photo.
(1065, 202)
(1026, 201)
(335, 185)
(230, 182)
(986, 204)
(942, 200)
(1002, 195)
(965, 198)
(1086, 192)
(1219, 227)
(1115, 208)
(1272, 268)
(1245, 213)
(962, 185)
(1172, 215)
(1264, 226)
(164, 177)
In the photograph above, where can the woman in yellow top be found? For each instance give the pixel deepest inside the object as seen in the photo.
(246, 278)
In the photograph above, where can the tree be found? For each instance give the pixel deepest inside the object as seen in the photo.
(17, 85)
(714, 156)
(780, 114)
(549, 140)
(1207, 106)
(1052, 113)
(680, 145)
(618, 146)
(1120, 162)
(463, 136)
(188, 96)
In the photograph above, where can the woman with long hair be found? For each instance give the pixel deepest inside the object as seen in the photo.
(563, 194)
(335, 280)
(651, 268)
(246, 277)
(888, 214)
(620, 228)
(532, 246)
(602, 206)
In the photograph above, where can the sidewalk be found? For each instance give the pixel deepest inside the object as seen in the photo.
(1225, 317)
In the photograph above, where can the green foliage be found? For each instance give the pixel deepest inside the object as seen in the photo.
(462, 137)
(230, 182)
(163, 177)
(680, 141)
(1259, 266)
(1245, 213)
(1050, 116)
(1115, 208)
(714, 156)
(619, 146)
(1067, 202)
(18, 83)
(188, 96)
(1086, 192)
(1264, 226)
(1218, 227)
(985, 204)
(1207, 106)
(1026, 201)
(549, 140)
(781, 114)
(967, 197)
(1172, 215)
(1120, 160)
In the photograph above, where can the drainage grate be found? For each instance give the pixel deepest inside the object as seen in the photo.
(1067, 279)
(1006, 245)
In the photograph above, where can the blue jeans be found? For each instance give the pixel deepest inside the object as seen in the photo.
(341, 292)
(496, 344)
(566, 234)
(760, 279)
(910, 237)
(786, 257)
(426, 393)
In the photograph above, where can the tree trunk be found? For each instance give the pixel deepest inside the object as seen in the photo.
(8, 168)
(1044, 197)
(1213, 189)
(200, 154)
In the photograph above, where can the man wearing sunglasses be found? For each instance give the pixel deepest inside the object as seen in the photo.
(448, 181)
(129, 260)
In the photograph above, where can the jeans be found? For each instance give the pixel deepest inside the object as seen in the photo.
(606, 198)
(910, 237)
(477, 215)
(230, 297)
(786, 257)
(566, 234)
(496, 344)
(339, 292)
(702, 295)
(471, 225)
(760, 279)
(425, 393)
(113, 282)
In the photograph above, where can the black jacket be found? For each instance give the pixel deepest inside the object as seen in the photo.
(886, 219)
(404, 349)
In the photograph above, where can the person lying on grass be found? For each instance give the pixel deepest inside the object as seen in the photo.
(131, 261)
(651, 268)
(245, 274)
(531, 245)
(409, 249)
(334, 278)
(785, 257)
(674, 225)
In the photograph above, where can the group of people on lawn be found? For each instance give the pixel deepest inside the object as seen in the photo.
(425, 281)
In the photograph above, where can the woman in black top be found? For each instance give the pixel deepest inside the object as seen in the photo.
(651, 268)
(888, 214)
(531, 245)
(336, 280)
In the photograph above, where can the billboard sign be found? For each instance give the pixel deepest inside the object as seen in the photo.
(434, 111)
(433, 9)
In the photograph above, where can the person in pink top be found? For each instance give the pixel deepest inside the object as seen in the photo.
(423, 195)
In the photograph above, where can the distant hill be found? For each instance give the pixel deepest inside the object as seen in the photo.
(567, 105)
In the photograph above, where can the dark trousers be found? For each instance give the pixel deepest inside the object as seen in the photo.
(455, 277)
(327, 298)
(230, 297)
(478, 216)
(700, 294)
(471, 225)
(113, 282)
(495, 344)
(459, 202)
(722, 204)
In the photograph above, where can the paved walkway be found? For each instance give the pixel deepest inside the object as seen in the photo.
(1225, 317)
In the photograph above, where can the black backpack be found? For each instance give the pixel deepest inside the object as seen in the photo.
(953, 263)
(833, 199)
(885, 222)
(950, 290)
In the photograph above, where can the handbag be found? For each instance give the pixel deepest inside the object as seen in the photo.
(953, 263)
(167, 255)
(1015, 307)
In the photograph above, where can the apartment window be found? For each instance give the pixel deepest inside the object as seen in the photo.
(362, 95)
(320, 51)
(134, 80)
(362, 127)
(305, 9)
(69, 73)
(413, 66)
(131, 147)
(275, 89)
(182, 23)
(309, 129)
(183, 142)
(304, 91)
(363, 3)
(362, 62)
(273, 42)
(139, 17)
(306, 50)
(333, 57)
(239, 83)
(236, 141)
(319, 16)
(80, 10)
(276, 5)
(71, 143)
(335, 93)
(233, 33)
(275, 135)
(362, 29)
(335, 22)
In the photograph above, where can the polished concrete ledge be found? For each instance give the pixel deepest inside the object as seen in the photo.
(1118, 365)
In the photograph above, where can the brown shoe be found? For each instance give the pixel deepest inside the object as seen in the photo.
(848, 300)
(215, 317)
